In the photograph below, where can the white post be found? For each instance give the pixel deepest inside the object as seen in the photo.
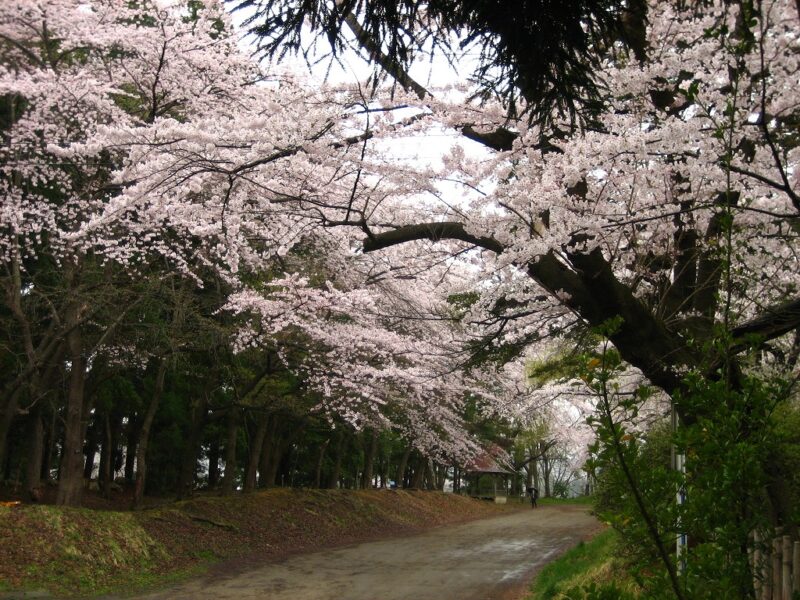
(679, 465)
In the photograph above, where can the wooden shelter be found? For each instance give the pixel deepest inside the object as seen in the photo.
(487, 475)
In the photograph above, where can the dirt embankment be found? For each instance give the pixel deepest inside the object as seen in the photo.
(84, 552)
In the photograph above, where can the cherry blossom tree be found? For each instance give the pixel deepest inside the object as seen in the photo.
(141, 144)
(666, 218)
(80, 82)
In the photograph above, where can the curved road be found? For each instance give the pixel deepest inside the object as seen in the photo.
(488, 559)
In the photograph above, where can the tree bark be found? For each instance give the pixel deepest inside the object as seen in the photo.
(35, 452)
(6, 418)
(369, 460)
(402, 466)
(50, 446)
(232, 433)
(70, 484)
(191, 448)
(546, 469)
(267, 448)
(213, 464)
(90, 446)
(256, 445)
(418, 479)
(112, 423)
(277, 449)
(333, 477)
(320, 461)
(132, 441)
(144, 434)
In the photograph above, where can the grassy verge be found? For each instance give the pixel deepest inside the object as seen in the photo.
(84, 552)
(585, 500)
(590, 571)
(582, 500)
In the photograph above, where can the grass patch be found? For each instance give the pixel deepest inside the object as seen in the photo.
(578, 500)
(590, 570)
(582, 500)
(66, 550)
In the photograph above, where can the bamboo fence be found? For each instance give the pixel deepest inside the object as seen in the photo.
(776, 567)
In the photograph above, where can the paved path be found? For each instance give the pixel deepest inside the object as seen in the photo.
(488, 559)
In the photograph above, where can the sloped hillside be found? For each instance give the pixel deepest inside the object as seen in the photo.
(84, 552)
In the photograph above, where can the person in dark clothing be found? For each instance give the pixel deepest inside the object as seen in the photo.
(534, 494)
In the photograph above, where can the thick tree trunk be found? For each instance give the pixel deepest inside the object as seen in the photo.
(6, 418)
(35, 452)
(70, 484)
(441, 477)
(254, 456)
(418, 480)
(430, 475)
(232, 433)
(144, 434)
(369, 460)
(402, 466)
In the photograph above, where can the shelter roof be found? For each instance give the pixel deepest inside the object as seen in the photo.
(493, 459)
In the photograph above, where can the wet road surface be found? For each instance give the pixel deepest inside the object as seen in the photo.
(490, 559)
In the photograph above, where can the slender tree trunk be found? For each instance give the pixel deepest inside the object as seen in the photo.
(144, 434)
(213, 464)
(112, 422)
(547, 467)
(9, 401)
(104, 469)
(280, 444)
(232, 432)
(132, 441)
(191, 448)
(50, 446)
(333, 478)
(35, 452)
(402, 466)
(90, 450)
(383, 466)
(256, 445)
(266, 452)
(70, 484)
(320, 461)
(369, 460)
(106, 456)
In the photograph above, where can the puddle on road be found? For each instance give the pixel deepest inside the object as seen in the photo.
(496, 548)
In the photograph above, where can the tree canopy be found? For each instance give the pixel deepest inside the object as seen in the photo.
(543, 52)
